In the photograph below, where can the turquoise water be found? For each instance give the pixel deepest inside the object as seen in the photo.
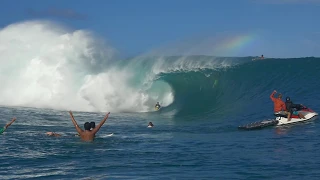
(194, 137)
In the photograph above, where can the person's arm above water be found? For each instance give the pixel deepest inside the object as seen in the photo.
(96, 129)
(272, 94)
(7, 125)
(79, 130)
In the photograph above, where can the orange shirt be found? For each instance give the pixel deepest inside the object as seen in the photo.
(279, 105)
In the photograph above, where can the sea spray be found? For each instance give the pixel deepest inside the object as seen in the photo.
(45, 65)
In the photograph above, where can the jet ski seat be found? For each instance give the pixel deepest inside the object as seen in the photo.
(280, 115)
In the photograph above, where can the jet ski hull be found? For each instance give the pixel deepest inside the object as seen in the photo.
(284, 120)
(308, 114)
(281, 119)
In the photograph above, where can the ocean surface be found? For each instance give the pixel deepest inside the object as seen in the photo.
(195, 136)
(199, 141)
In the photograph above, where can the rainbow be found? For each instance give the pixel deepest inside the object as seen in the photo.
(234, 45)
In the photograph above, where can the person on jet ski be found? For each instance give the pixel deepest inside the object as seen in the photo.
(279, 106)
(157, 106)
(292, 109)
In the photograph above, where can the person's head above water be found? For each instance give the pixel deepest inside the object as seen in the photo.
(280, 96)
(93, 125)
(87, 126)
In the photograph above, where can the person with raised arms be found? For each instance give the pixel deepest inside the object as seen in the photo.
(88, 134)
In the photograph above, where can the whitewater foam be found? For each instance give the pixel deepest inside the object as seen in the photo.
(45, 65)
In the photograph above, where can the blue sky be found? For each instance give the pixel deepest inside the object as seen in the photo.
(279, 28)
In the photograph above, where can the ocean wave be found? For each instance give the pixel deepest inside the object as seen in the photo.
(45, 65)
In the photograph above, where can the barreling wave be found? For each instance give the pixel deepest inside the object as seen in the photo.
(44, 65)
(242, 87)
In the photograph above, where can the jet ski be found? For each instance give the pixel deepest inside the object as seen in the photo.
(308, 113)
(281, 119)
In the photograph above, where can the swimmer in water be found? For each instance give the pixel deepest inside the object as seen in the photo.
(7, 125)
(88, 133)
(92, 126)
(52, 134)
(150, 124)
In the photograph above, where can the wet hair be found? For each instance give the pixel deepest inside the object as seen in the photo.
(280, 96)
(92, 124)
(87, 126)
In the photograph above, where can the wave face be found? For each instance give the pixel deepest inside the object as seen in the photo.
(244, 87)
(45, 65)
